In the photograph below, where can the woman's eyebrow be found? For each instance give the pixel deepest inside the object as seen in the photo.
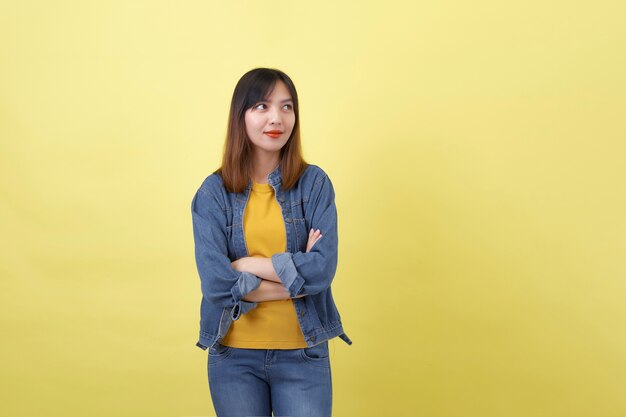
(282, 101)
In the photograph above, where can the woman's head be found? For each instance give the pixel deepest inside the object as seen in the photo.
(264, 99)
(270, 121)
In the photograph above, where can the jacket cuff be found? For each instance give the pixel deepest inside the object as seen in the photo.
(241, 307)
(246, 283)
(287, 272)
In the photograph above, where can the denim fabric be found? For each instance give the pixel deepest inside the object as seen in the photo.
(217, 217)
(257, 382)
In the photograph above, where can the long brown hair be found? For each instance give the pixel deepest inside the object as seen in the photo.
(236, 170)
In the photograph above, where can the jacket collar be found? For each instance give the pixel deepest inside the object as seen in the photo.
(273, 178)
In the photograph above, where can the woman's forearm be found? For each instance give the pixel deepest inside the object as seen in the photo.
(271, 287)
(267, 291)
(261, 267)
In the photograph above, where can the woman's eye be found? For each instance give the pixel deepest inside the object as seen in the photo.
(289, 106)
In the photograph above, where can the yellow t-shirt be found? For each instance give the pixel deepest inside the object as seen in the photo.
(271, 324)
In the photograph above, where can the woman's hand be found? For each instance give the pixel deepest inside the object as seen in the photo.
(314, 236)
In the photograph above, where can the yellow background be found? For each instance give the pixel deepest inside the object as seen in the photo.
(476, 149)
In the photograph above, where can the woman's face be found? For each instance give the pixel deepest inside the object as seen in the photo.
(274, 114)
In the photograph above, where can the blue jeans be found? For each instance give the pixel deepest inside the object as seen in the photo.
(257, 382)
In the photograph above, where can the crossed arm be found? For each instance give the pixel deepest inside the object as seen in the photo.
(271, 287)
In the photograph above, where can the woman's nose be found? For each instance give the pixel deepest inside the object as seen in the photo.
(275, 116)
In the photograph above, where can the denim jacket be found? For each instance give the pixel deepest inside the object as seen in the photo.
(217, 217)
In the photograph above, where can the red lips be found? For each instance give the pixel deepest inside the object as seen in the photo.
(274, 133)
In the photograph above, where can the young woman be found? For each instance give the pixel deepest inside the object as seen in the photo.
(265, 232)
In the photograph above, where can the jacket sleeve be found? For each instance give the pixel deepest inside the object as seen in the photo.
(221, 284)
(312, 272)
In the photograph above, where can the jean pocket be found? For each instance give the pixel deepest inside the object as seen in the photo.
(219, 352)
(317, 354)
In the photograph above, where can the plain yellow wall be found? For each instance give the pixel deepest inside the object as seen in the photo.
(477, 152)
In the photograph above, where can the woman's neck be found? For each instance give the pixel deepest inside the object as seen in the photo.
(262, 172)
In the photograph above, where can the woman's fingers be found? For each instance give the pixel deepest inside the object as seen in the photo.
(314, 236)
